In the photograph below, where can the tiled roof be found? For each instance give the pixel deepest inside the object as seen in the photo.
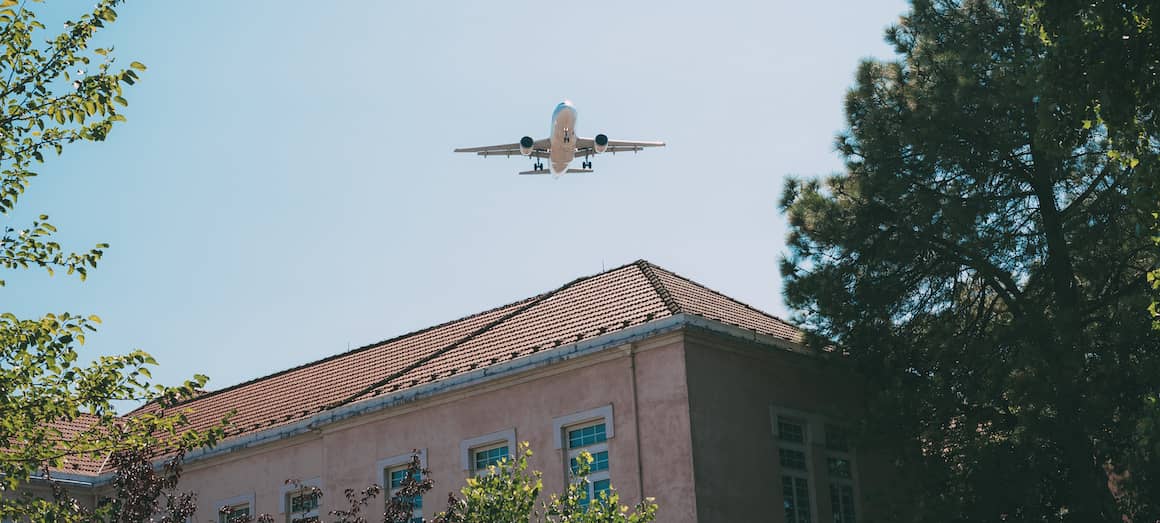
(78, 464)
(582, 309)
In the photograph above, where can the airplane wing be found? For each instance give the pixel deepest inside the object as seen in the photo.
(587, 147)
(539, 149)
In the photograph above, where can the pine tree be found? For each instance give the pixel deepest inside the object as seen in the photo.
(982, 259)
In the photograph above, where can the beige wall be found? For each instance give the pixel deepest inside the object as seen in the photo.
(344, 455)
(732, 387)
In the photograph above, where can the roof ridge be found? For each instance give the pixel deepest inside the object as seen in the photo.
(520, 302)
(383, 342)
(726, 296)
(671, 303)
(453, 345)
(349, 352)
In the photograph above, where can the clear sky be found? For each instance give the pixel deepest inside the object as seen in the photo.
(284, 187)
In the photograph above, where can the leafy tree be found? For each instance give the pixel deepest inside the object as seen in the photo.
(982, 259)
(54, 409)
(140, 492)
(507, 493)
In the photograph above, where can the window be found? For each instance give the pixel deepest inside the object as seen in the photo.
(840, 470)
(792, 459)
(394, 473)
(842, 502)
(301, 501)
(793, 456)
(791, 430)
(479, 453)
(796, 491)
(234, 513)
(591, 437)
(590, 431)
(304, 506)
(237, 509)
(485, 457)
(395, 478)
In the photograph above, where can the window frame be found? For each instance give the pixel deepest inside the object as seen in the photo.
(468, 448)
(578, 418)
(809, 475)
(289, 490)
(563, 425)
(401, 461)
(234, 502)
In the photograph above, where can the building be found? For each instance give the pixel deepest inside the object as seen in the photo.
(710, 406)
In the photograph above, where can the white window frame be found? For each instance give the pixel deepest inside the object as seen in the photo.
(386, 466)
(593, 449)
(290, 490)
(236, 501)
(579, 420)
(808, 423)
(468, 448)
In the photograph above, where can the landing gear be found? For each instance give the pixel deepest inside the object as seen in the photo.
(586, 164)
(538, 166)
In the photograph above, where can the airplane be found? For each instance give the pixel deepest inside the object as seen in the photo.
(561, 146)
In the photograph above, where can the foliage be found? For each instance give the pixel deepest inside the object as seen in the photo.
(982, 259)
(507, 493)
(55, 411)
(141, 493)
(574, 506)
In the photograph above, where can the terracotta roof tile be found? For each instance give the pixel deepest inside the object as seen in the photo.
(694, 298)
(583, 309)
(78, 464)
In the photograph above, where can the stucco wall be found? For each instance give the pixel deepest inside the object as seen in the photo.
(344, 455)
(732, 387)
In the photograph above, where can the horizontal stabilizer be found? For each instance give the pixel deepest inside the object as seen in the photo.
(537, 171)
(578, 171)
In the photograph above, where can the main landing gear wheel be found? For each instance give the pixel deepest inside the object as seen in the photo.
(586, 165)
(539, 166)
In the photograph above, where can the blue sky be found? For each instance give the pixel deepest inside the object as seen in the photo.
(284, 187)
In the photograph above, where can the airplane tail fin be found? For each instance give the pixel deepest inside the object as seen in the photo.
(536, 171)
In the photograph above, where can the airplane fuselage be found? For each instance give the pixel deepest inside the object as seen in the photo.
(561, 146)
(562, 137)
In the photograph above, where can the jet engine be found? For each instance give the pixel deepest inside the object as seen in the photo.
(600, 143)
(526, 144)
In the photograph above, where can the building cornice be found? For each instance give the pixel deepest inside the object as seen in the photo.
(498, 375)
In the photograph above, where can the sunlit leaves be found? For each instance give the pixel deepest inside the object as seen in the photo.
(508, 492)
(36, 113)
(57, 410)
